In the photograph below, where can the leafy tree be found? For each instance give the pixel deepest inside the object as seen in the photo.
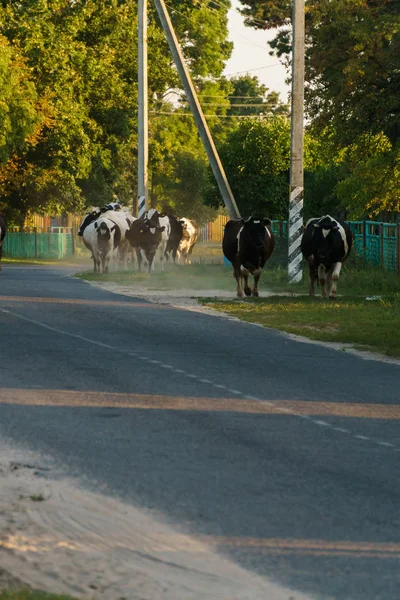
(353, 87)
(256, 160)
(248, 91)
(19, 111)
(82, 58)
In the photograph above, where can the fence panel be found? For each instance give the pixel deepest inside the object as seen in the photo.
(30, 245)
(376, 242)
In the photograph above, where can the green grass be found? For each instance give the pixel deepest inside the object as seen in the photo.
(367, 324)
(371, 324)
(30, 595)
(72, 260)
(356, 278)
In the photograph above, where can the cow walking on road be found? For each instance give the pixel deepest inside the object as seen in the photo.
(149, 236)
(175, 237)
(3, 231)
(120, 217)
(326, 243)
(248, 245)
(103, 238)
(189, 238)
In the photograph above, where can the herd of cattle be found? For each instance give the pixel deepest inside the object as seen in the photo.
(113, 235)
(325, 244)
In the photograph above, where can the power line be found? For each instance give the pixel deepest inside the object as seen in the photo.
(233, 105)
(178, 114)
(251, 70)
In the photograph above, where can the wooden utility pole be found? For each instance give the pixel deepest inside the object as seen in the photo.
(296, 145)
(195, 107)
(143, 131)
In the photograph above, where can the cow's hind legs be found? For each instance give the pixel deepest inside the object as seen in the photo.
(245, 274)
(334, 277)
(237, 273)
(257, 275)
(313, 278)
(322, 280)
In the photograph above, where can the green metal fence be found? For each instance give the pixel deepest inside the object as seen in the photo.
(376, 242)
(34, 244)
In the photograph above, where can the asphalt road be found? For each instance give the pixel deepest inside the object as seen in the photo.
(304, 490)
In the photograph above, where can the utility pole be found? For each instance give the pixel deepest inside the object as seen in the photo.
(195, 107)
(296, 145)
(143, 129)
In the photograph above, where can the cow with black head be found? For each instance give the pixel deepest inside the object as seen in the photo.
(3, 231)
(248, 244)
(149, 236)
(93, 214)
(326, 243)
(175, 237)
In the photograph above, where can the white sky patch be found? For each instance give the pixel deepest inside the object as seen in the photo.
(251, 53)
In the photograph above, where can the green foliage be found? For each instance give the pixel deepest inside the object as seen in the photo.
(19, 112)
(248, 91)
(256, 158)
(352, 88)
(68, 135)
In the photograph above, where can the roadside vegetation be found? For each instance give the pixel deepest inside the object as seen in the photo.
(365, 314)
(365, 324)
(30, 595)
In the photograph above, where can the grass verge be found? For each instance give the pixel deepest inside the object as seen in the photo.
(366, 324)
(30, 595)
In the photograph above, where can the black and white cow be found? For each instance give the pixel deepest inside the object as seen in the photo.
(325, 244)
(248, 245)
(188, 241)
(3, 231)
(121, 217)
(159, 223)
(102, 237)
(175, 237)
(146, 237)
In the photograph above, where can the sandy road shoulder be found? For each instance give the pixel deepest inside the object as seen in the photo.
(88, 545)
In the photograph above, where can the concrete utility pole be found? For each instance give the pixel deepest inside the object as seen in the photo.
(143, 131)
(296, 146)
(195, 107)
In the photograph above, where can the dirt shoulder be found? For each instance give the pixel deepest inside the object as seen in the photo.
(59, 538)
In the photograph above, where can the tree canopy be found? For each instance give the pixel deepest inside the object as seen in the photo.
(352, 86)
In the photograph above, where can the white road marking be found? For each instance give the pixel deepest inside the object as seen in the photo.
(191, 376)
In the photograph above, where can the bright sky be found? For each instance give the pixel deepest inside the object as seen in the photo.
(251, 54)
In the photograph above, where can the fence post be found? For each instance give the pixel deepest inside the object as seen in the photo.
(364, 241)
(398, 247)
(73, 233)
(36, 248)
(382, 249)
(280, 230)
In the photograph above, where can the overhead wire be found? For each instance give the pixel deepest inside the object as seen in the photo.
(179, 114)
